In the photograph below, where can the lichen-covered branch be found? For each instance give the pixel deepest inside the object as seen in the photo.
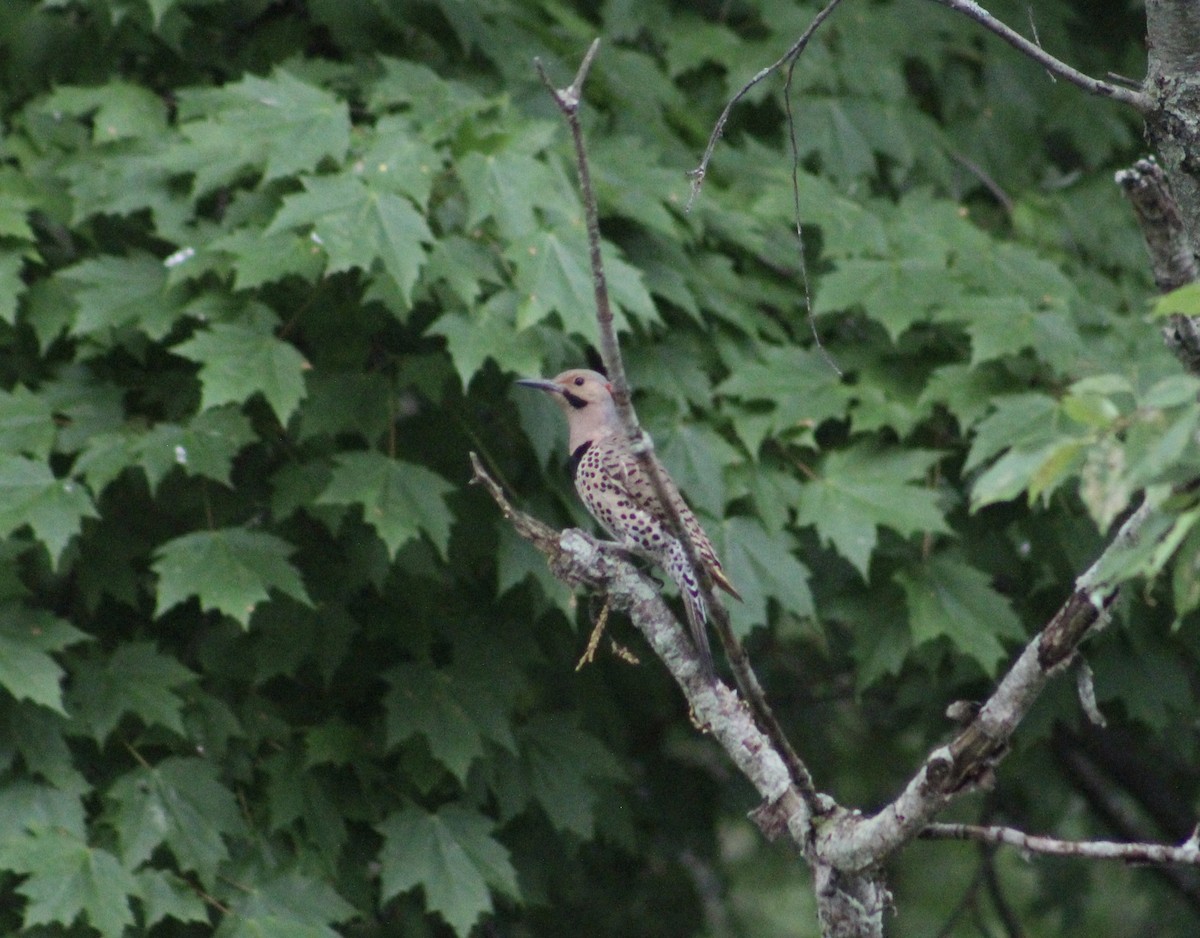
(578, 559)
(1173, 82)
(1187, 853)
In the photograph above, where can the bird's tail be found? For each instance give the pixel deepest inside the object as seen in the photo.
(693, 603)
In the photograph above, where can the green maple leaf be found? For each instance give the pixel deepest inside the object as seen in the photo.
(53, 508)
(237, 362)
(799, 384)
(27, 637)
(399, 160)
(895, 293)
(259, 258)
(831, 127)
(508, 187)
(1021, 421)
(136, 678)
(949, 598)
(27, 807)
(399, 500)
(865, 487)
(118, 109)
(452, 856)
(38, 734)
(356, 225)
(115, 292)
(14, 218)
(762, 566)
(230, 570)
(487, 333)
(997, 325)
(697, 459)
(454, 711)
(68, 879)
(179, 803)
(205, 446)
(553, 276)
(166, 895)
(279, 125)
(557, 769)
(292, 899)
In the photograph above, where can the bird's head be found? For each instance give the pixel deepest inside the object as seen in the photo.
(586, 399)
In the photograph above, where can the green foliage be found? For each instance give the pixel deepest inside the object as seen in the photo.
(269, 667)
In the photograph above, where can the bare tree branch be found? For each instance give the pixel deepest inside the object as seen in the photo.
(697, 175)
(1187, 853)
(1136, 99)
(970, 759)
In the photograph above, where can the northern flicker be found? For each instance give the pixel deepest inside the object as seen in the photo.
(621, 496)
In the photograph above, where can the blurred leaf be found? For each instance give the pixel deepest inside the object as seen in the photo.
(294, 900)
(399, 500)
(452, 856)
(26, 423)
(11, 286)
(557, 769)
(166, 895)
(1182, 301)
(67, 880)
(136, 678)
(356, 225)
(27, 671)
(236, 363)
(947, 598)
(53, 508)
(179, 803)
(865, 487)
(762, 567)
(230, 570)
(454, 712)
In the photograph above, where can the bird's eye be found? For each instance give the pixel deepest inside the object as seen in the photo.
(579, 382)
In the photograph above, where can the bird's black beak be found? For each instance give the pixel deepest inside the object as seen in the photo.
(540, 384)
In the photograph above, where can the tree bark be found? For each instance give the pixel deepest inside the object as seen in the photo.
(1173, 82)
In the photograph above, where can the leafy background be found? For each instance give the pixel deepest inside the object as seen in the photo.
(267, 271)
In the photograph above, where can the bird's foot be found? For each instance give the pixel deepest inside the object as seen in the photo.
(589, 653)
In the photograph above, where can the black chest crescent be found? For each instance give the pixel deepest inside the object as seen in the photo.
(577, 458)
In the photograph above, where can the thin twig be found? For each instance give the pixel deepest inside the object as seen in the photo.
(697, 175)
(1136, 99)
(988, 182)
(1186, 853)
(1038, 40)
(791, 125)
